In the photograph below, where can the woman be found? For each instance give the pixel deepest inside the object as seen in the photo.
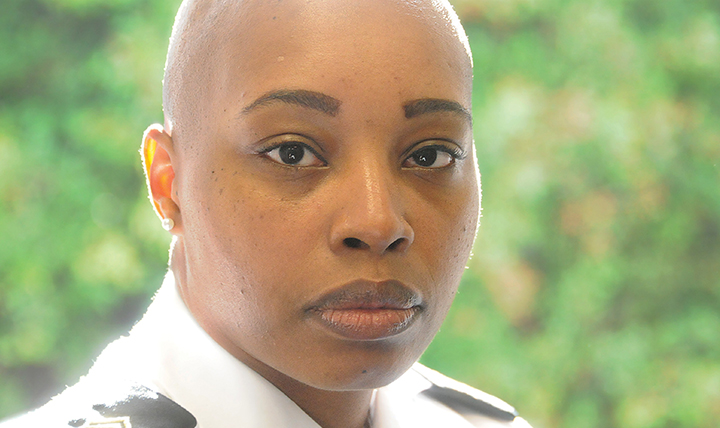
(317, 172)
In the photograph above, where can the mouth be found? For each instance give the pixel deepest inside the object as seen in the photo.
(367, 310)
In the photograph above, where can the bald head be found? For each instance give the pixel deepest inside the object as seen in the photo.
(311, 143)
(215, 44)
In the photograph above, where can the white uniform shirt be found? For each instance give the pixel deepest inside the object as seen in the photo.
(168, 352)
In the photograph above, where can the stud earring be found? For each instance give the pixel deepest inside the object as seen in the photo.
(168, 224)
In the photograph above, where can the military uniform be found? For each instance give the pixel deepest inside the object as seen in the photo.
(169, 373)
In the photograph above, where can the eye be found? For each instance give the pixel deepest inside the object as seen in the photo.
(294, 154)
(435, 156)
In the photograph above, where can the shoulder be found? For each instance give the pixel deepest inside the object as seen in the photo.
(477, 407)
(115, 406)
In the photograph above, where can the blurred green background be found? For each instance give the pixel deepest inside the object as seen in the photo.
(593, 298)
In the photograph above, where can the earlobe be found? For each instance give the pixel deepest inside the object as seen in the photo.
(157, 149)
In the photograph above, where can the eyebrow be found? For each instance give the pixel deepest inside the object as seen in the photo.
(435, 105)
(309, 99)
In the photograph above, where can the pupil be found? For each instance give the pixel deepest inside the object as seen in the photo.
(426, 157)
(292, 153)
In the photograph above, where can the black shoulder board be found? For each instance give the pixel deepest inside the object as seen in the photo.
(463, 398)
(137, 407)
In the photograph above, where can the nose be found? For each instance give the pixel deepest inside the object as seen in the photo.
(369, 212)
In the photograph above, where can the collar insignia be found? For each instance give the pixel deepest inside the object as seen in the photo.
(123, 422)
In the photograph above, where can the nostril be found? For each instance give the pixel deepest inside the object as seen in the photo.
(352, 242)
(359, 244)
(395, 244)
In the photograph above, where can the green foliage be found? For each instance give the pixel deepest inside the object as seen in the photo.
(595, 286)
(593, 296)
(79, 81)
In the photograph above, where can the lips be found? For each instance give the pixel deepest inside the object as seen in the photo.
(367, 310)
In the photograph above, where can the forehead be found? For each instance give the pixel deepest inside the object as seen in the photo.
(225, 54)
(338, 46)
(317, 20)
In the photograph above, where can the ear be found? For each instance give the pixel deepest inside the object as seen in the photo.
(157, 151)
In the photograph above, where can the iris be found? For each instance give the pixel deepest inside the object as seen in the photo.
(425, 157)
(291, 154)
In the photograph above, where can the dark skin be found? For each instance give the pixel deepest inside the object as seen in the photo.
(325, 144)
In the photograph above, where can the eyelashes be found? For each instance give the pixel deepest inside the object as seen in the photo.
(294, 153)
(433, 157)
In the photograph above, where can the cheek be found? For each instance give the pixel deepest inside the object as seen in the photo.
(454, 220)
(450, 245)
(244, 237)
(220, 247)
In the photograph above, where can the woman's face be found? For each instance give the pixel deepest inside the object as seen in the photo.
(329, 202)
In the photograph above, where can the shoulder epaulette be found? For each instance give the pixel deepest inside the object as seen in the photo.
(136, 407)
(463, 398)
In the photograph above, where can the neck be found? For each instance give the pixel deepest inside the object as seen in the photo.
(330, 409)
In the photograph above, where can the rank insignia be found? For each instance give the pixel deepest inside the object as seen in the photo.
(123, 422)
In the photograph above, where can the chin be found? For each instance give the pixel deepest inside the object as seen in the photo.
(358, 378)
(376, 365)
